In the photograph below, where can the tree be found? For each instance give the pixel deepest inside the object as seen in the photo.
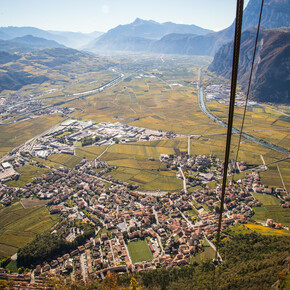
(134, 285)
(110, 282)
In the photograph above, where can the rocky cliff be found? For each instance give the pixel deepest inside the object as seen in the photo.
(271, 77)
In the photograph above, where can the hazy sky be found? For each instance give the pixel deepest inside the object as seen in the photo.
(101, 15)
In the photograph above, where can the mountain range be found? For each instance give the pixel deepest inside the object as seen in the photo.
(28, 43)
(71, 39)
(150, 36)
(55, 65)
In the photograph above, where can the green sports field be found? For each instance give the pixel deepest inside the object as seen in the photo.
(139, 251)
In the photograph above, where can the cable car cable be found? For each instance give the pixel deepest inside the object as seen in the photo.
(235, 66)
(249, 86)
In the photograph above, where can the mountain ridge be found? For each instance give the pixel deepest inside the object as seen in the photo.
(67, 38)
(270, 82)
(275, 14)
(28, 43)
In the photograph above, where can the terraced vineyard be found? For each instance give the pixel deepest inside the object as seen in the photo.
(20, 225)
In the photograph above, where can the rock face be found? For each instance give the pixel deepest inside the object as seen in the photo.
(275, 14)
(271, 76)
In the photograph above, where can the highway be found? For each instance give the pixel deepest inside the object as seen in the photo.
(78, 96)
(247, 136)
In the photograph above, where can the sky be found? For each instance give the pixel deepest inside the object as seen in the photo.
(101, 15)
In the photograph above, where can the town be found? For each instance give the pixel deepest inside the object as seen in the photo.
(221, 93)
(172, 226)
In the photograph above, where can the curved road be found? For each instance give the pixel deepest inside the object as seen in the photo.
(214, 118)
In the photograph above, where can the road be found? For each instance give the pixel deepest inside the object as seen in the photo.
(153, 193)
(30, 142)
(189, 223)
(245, 135)
(184, 181)
(112, 252)
(281, 178)
(80, 95)
(156, 216)
(160, 244)
(83, 266)
(104, 151)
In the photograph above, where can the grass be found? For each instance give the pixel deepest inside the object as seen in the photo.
(27, 172)
(238, 229)
(266, 230)
(19, 226)
(66, 160)
(15, 134)
(12, 266)
(192, 212)
(248, 228)
(139, 251)
(206, 254)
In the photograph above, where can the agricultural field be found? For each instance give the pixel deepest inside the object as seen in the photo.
(132, 165)
(61, 68)
(275, 212)
(90, 82)
(90, 152)
(155, 98)
(271, 209)
(32, 202)
(46, 162)
(266, 230)
(19, 226)
(141, 150)
(139, 251)
(261, 122)
(27, 172)
(66, 160)
(132, 158)
(15, 134)
(266, 199)
(148, 180)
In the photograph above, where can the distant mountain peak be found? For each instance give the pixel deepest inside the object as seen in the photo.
(140, 34)
(138, 21)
